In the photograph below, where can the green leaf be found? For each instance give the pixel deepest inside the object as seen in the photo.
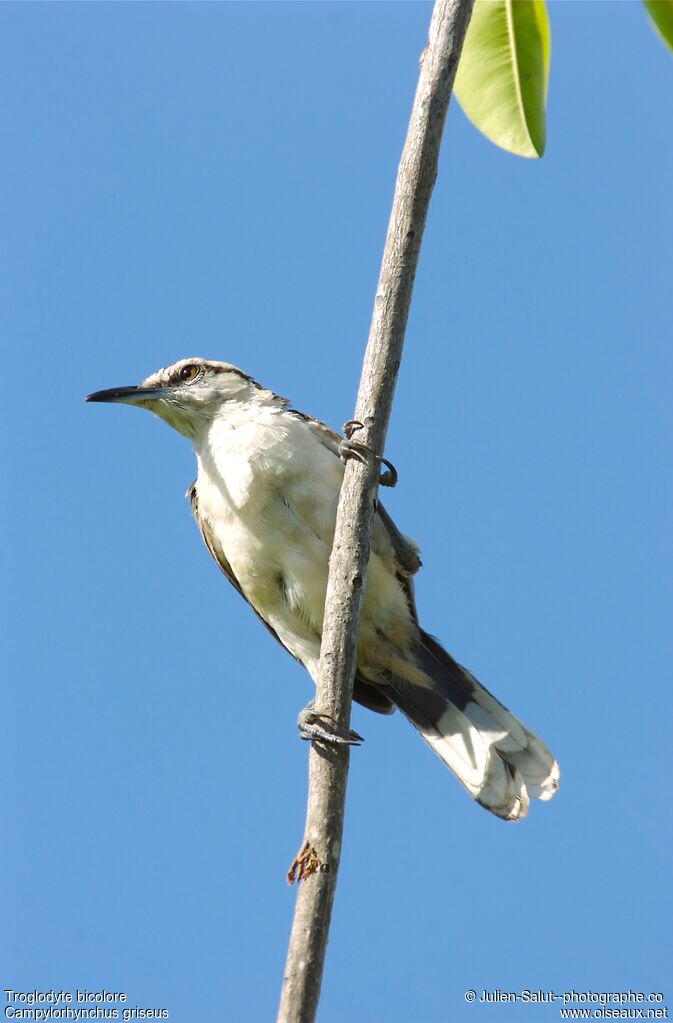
(501, 82)
(661, 13)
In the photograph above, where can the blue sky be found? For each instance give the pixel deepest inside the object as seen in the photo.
(215, 180)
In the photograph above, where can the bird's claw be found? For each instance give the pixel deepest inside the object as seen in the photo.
(351, 427)
(349, 448)
(314, 727)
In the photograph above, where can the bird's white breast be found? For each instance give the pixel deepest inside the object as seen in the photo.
(268, 489)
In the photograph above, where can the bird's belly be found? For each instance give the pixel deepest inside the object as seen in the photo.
(280, 563)
(277, 533)
(282, 568)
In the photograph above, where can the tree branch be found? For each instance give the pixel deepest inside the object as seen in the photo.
(328, 767)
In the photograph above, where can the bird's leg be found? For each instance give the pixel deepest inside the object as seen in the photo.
(312, 726)
(405, 549)
(349, 448)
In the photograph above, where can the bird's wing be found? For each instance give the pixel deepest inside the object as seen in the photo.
(365, 694)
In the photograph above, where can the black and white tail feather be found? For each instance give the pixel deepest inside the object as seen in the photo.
(494, 756)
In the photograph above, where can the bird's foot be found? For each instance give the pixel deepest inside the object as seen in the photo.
(406, 551)
(314, 726)
(349, 448)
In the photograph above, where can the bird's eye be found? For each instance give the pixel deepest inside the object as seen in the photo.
(188, 373)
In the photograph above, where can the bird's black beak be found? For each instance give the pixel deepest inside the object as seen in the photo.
(128, 395)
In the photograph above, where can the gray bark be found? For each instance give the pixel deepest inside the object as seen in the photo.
(328, 767)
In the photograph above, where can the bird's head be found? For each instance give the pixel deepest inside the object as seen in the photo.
(190, 394)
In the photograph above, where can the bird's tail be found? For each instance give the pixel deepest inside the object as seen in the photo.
(500, 763)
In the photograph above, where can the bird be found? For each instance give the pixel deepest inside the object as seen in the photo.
(265, 500)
